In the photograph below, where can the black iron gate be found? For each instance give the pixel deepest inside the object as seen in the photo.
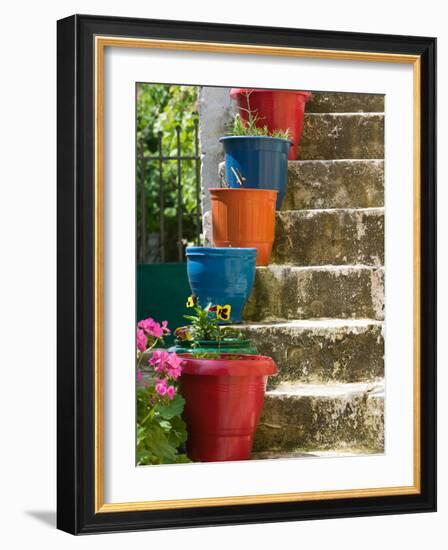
(157, 162)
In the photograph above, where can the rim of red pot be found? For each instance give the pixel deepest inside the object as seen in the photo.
(247, 365)
(236, 91)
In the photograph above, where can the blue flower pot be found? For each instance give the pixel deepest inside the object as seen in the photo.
(222, 276)
(262, 162)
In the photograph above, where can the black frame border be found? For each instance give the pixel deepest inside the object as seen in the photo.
(76, 262)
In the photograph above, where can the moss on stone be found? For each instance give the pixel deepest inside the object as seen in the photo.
(334, 184)
(329, 237)
(334, 136)
(321, 422)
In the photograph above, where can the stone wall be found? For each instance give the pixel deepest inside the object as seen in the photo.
(215, 112)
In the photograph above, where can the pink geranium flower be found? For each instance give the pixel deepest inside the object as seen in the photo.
(161, 388)
(174, 369)
(152, 328)
(171, 391)
(158, 360)
(142, 340)
(165, 329)
(168, 366)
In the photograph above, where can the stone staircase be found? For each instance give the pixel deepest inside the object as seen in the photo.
(318, 309)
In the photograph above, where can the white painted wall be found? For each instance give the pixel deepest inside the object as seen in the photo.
(27, 290)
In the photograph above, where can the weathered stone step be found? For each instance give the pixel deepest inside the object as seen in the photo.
(324, 184)
(283, 292)
(322, 417)
(334, 184)
(334, 236)
(342, 102)
(321, 351)
(342, 136)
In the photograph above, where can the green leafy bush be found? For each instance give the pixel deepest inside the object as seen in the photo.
(161, 432)
(161, 108)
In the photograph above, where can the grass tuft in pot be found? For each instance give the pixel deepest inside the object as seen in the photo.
(238, 127)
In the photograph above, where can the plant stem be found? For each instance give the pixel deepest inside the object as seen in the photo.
(146, 350)
(149, 415)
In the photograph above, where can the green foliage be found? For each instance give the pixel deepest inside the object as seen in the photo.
(214, 355)
(231, 333)
(250, 128)
(203, 325)
(205, 354)
(171, 408)
(161, 108)
(161, 432)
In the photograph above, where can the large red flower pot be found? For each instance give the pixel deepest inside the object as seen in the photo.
(224, 398)
(276, 109)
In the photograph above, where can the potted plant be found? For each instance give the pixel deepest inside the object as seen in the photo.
(244, 218)
(276, 109)
(161, 431)
(222, 276)
(205, 335)
(224, 395)
(255, 158)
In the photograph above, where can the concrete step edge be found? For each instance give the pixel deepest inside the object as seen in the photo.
(324, 267)
(364, 114)
(332, 161)
(316, 211)
(324, 323)
(332, 391)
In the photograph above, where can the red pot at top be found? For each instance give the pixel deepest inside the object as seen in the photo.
(276, 109)
(224, 398)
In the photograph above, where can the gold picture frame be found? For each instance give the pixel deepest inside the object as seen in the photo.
(95, 29)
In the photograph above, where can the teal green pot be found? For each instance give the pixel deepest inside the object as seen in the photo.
(230, 345)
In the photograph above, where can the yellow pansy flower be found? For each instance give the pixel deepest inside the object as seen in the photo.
(223, 312)
(191, 302)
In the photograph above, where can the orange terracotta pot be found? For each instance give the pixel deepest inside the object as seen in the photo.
(244, 218)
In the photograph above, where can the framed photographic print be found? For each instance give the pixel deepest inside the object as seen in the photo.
(246, 274)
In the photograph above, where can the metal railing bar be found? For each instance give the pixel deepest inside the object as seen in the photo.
(142, 202)
(180, 247)
(171, 158)
(198, 191)
(161, 201)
